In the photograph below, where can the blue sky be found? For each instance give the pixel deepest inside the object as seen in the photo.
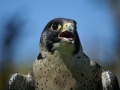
(95, 25)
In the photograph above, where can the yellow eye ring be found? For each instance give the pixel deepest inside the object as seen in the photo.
(56, 26)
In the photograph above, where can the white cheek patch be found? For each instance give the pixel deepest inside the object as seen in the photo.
(63, 47)
(55, 46)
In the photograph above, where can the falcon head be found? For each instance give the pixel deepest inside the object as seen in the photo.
(60, 34)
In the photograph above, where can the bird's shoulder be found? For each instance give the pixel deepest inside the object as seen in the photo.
(109, 81)
(19, 81)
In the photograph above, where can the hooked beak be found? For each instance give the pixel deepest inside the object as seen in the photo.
(67, 34)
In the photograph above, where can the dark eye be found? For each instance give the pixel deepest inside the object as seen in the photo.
(55, 26)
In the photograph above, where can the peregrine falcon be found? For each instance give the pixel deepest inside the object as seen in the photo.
(62, 64)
